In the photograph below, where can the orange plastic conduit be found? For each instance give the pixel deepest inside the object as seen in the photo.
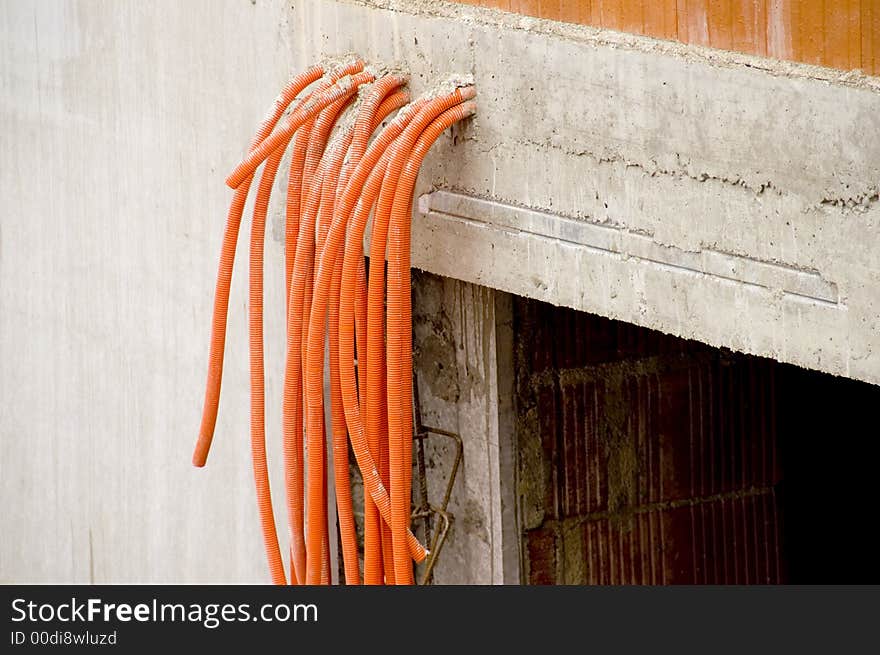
(317, 448)
(376, 405)
(340, 145)
(293, 400)
(227, 258)
(258, 399)
(224, 273)
(296, 191)
(344, 88)
(255, 326)
(362, 130)
(399, 337)
(326, 266)
(375, 530)
(393, 102)
(372, 477)
(373, 525)
(314, 388)
(345, 510)
(293, 453)
(332, 191)
(298, 184)
(373, 561)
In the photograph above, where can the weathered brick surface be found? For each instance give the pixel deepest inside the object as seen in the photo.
(655, 457)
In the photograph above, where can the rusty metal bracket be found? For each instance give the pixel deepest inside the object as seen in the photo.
(427, 512)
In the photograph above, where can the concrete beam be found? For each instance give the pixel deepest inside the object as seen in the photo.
(740, 194)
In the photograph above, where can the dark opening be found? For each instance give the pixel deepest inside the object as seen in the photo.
(648, 459)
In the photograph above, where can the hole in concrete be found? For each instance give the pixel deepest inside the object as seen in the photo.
(648, 459)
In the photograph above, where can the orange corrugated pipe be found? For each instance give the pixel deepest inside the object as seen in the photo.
(258, 451)
(393, 102)
(351, 153)
(346, 355)
(316, 435)
(345, 510)
(326, 267)
(331, 191)
(224, 273)
(255, 329)
(372, 480)
(352, 397)
(255, 323)
(227, 255)
(373, 524)
(297, 306)
(376, 405)
(293, 400)
(298, 186)
(317, 484)
(371, 514)
(344, 88)
(399, 334)
(340, 448)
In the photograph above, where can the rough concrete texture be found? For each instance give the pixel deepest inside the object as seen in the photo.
(768, 165)
(119, 124)
(462, 353)
(121, 121)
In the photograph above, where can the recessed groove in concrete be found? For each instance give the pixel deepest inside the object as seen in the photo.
(796, 284)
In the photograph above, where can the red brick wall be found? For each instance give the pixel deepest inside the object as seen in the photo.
(644, 459)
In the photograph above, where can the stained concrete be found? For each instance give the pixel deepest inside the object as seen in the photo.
(463, 356)
(121, 121)
(687, 152)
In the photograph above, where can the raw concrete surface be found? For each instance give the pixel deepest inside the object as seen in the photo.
(463, 355)
(769, 166)
(120, 121)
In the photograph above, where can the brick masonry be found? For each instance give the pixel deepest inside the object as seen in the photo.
(644, 458)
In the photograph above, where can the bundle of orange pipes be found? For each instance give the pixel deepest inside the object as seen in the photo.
(341, 175)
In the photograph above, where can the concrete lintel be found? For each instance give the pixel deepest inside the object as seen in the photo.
(713, 196)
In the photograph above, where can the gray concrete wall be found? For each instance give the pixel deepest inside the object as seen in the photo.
(120, 121)
(710, 195)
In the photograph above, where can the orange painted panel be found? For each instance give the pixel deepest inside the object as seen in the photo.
(841, 34)
(749, 26)
(697, 20)
(632, 17)
(870, 41)
(807, 29)
(611, 13)
(550, 9)
(681, 15)
(660, 18)
(496, 4)
(719, 20)
(779, 42)
(575, 11)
